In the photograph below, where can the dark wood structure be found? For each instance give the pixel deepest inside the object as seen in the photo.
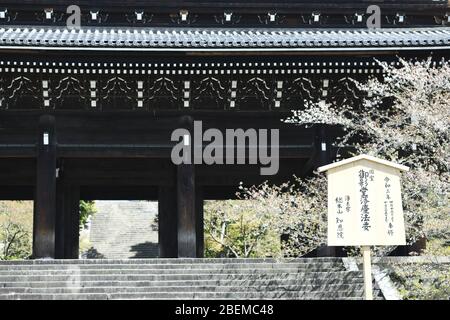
(87, 113)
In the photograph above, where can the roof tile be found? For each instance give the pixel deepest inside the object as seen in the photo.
(185, 38)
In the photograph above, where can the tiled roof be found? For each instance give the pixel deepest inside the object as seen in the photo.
(221, 39)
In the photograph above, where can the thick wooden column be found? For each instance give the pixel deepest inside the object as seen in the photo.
(45, 192)
(324, 146)
(60, 218)
(67, 218)
(167, 222)
(72, 221)
(187, 227)
(324, 157)
(187, 235)
(199, 222)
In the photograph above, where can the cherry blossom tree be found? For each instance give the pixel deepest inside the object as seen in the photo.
(269, 220)
(404, 117)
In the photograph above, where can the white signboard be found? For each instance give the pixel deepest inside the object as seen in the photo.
(364, 202)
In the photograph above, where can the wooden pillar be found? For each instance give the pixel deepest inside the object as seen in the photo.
(60, 218)
(45, 192)
(199, 222)
(187, 227)
(324, 157)
(367, 268)
(187, 236)
(67, 218)
(324, 146)
(167, 222)
(72, 221)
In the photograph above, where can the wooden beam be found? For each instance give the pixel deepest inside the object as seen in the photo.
(21, 193)
(130, 135)
(120, 191)
(45, 194)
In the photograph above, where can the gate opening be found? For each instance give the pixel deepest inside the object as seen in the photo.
(121, 230)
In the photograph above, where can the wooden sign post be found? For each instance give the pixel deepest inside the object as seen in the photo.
(365, 206)
(367, 267)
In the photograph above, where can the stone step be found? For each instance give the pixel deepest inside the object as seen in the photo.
(125, 229)
(170, 261)
(159, 271)
(132, 264)
(189, 295)
(169, 268)
(181, 276)
(186, 278)
(168, 283)
(357, 287)
(151, 272)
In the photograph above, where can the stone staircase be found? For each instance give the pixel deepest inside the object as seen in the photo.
(124, 229)
(303, 278)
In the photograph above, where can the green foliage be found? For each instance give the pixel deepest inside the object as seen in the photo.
(16, 225)
(268, 221)
(438, 247)
(425, 281)
(87, 209)
(15, 242)
(234, 229)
